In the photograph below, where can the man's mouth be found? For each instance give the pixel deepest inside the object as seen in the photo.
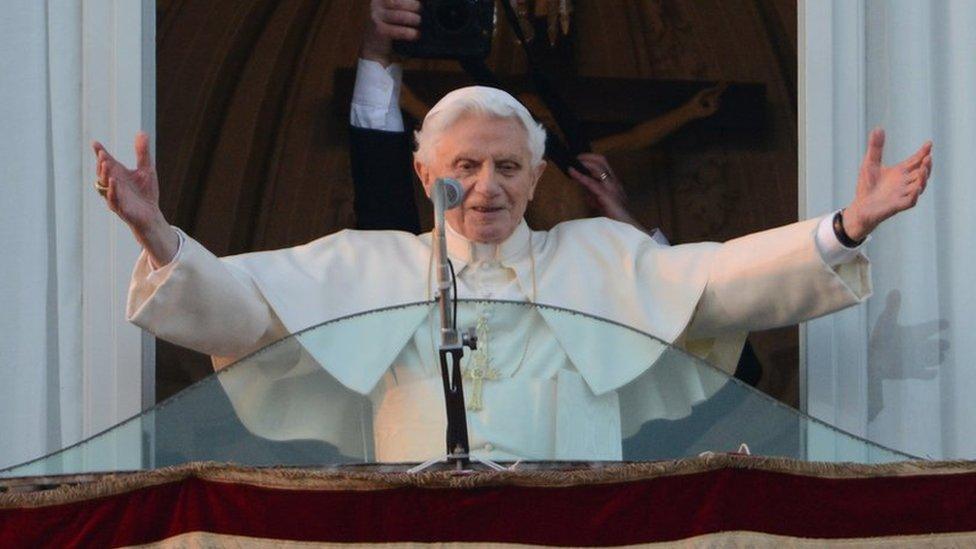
(487, 209)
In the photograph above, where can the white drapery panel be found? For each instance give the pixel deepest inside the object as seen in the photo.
(69, 365)
(40, 224)
(900, 371)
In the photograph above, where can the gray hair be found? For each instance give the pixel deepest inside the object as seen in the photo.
(480, 100)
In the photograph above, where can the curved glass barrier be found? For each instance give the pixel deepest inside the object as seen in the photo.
(545, 384)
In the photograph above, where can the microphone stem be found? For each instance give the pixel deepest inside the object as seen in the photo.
(449, 336)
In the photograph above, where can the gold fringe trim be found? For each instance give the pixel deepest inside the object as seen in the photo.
(731, 540)
(379, 477)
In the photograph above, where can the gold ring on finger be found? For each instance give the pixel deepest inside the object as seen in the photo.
(101, 187)
(604, 176)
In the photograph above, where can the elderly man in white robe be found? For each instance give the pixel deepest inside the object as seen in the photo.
(555, 396)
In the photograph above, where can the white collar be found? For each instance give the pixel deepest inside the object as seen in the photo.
(515, 252)
(509, 252)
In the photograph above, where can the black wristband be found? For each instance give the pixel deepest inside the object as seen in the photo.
(841, 234)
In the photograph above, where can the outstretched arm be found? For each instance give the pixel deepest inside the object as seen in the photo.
(883, 191)
(781, 276)
(134, 196)
(196, 301)
(702, 105)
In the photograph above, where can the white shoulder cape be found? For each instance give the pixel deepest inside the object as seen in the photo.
(598, 267)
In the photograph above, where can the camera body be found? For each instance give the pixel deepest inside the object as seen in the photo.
(451, 29)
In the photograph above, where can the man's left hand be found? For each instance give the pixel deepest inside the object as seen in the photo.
(882, 191)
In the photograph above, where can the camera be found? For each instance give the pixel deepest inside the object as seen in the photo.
(451, 29)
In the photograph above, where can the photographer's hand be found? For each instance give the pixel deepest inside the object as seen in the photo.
(389, 20)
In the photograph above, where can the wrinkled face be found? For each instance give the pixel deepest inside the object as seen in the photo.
(491, 158)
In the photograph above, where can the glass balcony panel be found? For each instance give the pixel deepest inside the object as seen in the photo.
(554, 385)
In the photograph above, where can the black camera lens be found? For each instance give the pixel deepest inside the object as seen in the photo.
(452, 29)
(453, 16)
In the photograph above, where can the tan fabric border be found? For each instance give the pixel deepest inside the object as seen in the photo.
(729, 540)
(378, 477)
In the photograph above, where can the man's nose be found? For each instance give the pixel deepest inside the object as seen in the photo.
(486, 182)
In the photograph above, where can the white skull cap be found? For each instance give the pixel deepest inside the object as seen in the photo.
(481, 95)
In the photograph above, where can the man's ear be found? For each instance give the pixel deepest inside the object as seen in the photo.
(423, 174)
(538, 170)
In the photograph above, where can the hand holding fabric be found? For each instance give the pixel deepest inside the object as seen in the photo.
(606, 190)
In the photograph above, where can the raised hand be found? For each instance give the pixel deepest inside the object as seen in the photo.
(607, 191)
(389, 20)
(882, 191)
(134, 196)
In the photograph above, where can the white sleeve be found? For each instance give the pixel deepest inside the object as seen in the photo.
(776, 278)
(831, 249)
(376, 97)
(199, 302)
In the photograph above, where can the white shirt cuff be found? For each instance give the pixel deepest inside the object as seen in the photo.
(831, 250)
(160, 273)
(376, 97)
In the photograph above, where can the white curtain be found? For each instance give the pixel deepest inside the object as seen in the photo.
(40, 228)
(69, 364)
(901, 370)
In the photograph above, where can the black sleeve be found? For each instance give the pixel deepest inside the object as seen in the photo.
(382, 178)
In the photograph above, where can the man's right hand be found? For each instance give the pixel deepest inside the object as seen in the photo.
(134, 196)
(389, 20)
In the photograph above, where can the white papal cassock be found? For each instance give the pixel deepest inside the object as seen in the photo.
(563, 385)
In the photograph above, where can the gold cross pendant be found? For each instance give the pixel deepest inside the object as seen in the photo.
(478, 375)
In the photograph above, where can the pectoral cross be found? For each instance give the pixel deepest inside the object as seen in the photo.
(479, 370)
(478, 375)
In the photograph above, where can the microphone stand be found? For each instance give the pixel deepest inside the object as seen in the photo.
(452, 344)
(450, 352)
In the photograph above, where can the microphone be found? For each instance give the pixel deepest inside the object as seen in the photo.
(446, 194)
(452, 191)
